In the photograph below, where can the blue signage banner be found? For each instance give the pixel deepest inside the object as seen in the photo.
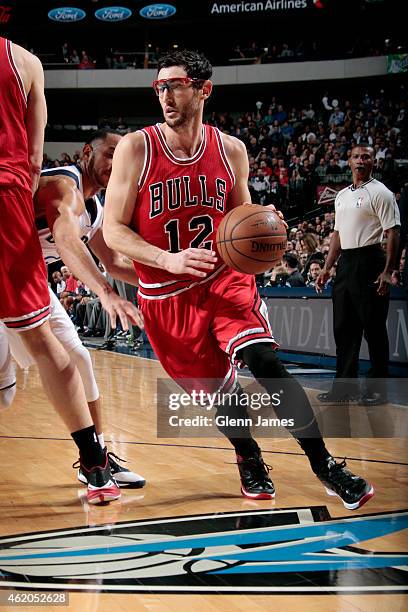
(66, 14)
(158, 11)
(113, 13)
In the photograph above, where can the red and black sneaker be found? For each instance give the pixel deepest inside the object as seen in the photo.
(123, 476)
(353, 490)
(254, 474)
(102, 487)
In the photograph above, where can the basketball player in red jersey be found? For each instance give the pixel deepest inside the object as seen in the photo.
(171, 185)
(25, 301)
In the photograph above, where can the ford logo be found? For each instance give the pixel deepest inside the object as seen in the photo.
(113, 13)
(157, 11)
(67, 14)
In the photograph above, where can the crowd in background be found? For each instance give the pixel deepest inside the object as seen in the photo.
(265, 52)
(293, 149)
(251, 51)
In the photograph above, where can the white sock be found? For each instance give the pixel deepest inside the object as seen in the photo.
(101, 440)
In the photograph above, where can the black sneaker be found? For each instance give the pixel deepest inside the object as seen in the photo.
(373, 399)
(89, 333)
(123, 477)
(353, 490)
(255, 481)
(109, 345)
(102, 487)
(332, 397)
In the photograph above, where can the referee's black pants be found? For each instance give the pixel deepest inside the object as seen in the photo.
(358, 310)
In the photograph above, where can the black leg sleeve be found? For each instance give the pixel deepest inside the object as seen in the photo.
(239, 435)
(266, 367)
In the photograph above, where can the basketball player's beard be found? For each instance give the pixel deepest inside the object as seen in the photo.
(184, 117)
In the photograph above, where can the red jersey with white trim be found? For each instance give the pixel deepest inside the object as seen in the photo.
(180, 204)
(14, 168)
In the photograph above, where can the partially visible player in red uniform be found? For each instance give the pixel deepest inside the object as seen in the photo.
(25, 300)
(171, 185)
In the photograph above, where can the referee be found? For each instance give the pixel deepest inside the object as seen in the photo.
(365, 211)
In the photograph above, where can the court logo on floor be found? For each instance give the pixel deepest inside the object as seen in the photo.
(298, 550)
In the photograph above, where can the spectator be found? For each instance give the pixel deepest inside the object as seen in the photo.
(267, 170)
(86, 62)
(333, 168)
(278, 276)
(314, 271)
(321, 169)
(119, 63)
(291, 265)
(337, 117)
(297, 192)
(59, 283)
(260, 187)
(47, 162)
(74, 58)
(282, 173)
(286, 52)
(65, 158)
(121, 126)
(65, 52)
(313, 253)
(302, 260)
(237, 53)
(287, 132)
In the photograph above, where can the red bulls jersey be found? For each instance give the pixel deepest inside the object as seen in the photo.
(14, 168)
(180, 204)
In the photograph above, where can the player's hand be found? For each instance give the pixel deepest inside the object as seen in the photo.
(271, 207)
(321, 280)
(395, 278)
(383, 281)
(278, 212)
(116, 307)
(197, 262)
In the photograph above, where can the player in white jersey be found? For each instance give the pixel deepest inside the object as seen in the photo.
(67, 202)
(89, 221)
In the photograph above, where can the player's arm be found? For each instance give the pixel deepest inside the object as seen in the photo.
(384, 279)
(120, 201)
(36, 118)
(389, 217)
(63, 204)
(332, 257)
(114, 263)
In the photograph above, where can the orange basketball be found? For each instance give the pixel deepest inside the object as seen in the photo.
(251, 239)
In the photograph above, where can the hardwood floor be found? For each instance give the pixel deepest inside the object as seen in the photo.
(193, 476)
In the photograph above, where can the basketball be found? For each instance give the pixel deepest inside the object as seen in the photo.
(251, 239)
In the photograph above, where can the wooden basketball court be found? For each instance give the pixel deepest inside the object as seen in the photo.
(195, 480)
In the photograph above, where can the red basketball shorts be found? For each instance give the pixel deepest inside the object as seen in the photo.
(24, 297)
(196, 334)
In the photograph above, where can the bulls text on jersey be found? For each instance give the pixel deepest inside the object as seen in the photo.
(176, 192)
